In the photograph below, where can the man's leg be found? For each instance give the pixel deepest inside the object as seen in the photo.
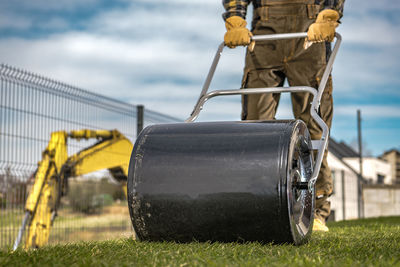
(324, 184)
(324, 187)
(261, 106)
(306, 68)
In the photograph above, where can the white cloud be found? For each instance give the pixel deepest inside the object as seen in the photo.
(369, 30)
(372, 5)
(55, 23)
(47, 5)
(360, 72)
(369, 111)
(114, 58)
(161, 20)
(371, 22)
(158, 53)
(14, 22)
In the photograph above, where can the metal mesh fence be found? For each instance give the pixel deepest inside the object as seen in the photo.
(31, 108)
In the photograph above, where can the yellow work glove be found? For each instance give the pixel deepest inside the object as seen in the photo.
(236, 33)
(324, 27)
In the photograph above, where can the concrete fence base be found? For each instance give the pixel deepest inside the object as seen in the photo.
(381, 200)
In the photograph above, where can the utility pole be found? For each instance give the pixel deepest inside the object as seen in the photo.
(360, 173)
(139, 117)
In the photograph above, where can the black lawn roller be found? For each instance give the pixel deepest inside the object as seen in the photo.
(228, 181)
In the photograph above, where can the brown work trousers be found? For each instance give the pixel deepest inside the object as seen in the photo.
(273, 61)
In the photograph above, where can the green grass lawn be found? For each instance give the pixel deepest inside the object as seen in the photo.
(369, 242)
(69, 226)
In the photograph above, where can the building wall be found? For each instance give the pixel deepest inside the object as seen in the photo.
(393, 158)
(372, 167)
(343, 178)
(381, 200)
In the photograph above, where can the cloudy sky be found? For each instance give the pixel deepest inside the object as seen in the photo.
(157, 53)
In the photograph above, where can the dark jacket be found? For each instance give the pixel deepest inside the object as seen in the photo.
(239, 8)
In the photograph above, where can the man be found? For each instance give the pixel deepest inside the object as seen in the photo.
(300, 61)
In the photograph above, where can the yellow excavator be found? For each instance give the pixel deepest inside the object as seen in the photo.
(111, 151)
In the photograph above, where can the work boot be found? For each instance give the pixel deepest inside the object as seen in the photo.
(320, 226)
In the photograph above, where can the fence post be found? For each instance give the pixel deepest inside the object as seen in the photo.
(360, 178)
(343, 196)
(139, 115)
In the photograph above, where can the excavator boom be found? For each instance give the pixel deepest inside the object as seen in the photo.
(112, 152)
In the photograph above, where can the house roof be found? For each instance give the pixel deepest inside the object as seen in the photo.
(341, 150)
(390, 151)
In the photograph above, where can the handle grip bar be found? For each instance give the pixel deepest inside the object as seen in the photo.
(319, 145)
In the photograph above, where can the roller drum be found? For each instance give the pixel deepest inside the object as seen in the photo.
(222, 181)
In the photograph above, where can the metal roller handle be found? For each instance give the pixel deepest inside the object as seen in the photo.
(319, 145)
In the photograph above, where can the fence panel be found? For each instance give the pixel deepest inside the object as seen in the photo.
(31, 108)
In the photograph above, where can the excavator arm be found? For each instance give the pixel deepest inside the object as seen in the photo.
(112, 152)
